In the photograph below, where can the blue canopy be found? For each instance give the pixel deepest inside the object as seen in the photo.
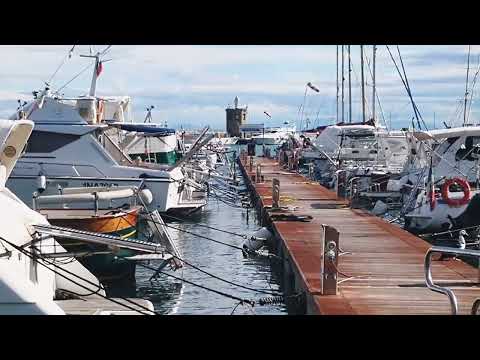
(145, 128)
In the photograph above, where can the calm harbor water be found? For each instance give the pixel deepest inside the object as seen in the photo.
(171, 296)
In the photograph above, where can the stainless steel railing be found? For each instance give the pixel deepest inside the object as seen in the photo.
(443, 290)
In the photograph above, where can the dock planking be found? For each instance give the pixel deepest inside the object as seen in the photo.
(381, 266)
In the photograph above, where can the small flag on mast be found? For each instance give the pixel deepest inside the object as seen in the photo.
(99, 68)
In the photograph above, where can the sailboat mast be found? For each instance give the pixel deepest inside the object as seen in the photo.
(373, 82)
(466, 89)
(363, 83)
(337, 85)
(349, 86)
(343, 84)
(93, 86)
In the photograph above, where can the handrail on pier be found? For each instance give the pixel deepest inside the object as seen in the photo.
(443, 290)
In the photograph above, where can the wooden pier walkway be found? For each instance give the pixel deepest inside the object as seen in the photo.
(380, 267)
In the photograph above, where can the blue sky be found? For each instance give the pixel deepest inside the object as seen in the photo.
(192, 85)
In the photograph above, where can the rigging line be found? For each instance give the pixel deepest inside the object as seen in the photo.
(68, 56)
(215, 276)
(227, 281)
(451, 119)
(250, 302)
(376, 94)
(28, 254)
(406, 87)
(198, 235)
(466, 87)
(473, 90)
(409, 89)
(76, 76)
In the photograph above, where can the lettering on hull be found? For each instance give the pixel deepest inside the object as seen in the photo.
(99, 184)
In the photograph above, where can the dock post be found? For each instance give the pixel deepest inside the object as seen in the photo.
(329, 264)
(259, 173)
(341, 183)
(251, 164)
(275, 193)
(310, 170)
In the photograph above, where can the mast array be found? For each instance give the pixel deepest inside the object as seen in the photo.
(349, 86)
(363, 84)
(466, 89)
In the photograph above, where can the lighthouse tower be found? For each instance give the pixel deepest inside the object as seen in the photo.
(236, 116)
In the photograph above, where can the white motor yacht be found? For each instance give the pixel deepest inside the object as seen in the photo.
(28, 283)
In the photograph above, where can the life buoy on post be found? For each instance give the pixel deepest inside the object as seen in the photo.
(465, 188)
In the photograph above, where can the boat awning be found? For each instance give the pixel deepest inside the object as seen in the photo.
(145, 128)
(447, 133)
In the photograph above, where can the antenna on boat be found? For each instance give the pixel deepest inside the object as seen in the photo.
(466, 89)
(148, 117)
(97, 68)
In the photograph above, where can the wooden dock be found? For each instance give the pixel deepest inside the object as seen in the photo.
(96, 305)
(380, 266)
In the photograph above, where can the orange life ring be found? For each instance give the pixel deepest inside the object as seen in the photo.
(465, 188)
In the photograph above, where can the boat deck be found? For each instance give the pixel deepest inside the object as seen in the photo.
(381, 266)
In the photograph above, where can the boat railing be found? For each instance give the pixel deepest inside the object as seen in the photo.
(115, 151)
(444, 290)
(73, 167)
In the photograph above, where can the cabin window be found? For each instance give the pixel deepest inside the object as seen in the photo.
(88, 170)
(58, 170)
(471, 151)
(47, 142)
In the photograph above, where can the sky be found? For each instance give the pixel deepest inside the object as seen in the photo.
(191, 86)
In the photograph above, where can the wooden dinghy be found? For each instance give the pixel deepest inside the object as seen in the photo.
(107, 263)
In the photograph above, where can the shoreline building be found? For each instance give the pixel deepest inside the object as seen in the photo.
(236, 117)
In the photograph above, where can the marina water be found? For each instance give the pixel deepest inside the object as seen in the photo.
(171, 296)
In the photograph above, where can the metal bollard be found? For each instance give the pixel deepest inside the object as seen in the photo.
(275, 193)
(340, 185)
(329, 264)
(259, 173)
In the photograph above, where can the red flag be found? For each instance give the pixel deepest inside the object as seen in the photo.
(99, 68)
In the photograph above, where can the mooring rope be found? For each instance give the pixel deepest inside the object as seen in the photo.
(28, 254)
